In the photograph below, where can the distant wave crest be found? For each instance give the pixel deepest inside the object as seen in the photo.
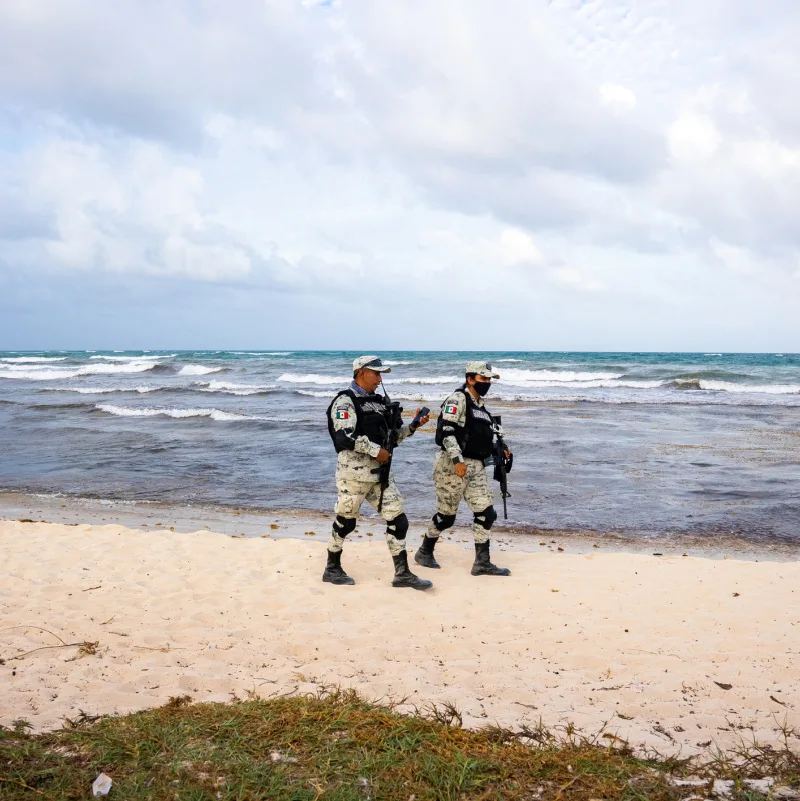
(134, 358)
(44, 374)
(312, 378)
(33, 359)
(235, 389)
(180, 414)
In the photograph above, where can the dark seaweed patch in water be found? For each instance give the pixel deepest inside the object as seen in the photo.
(686, 383)
(726, 494)
(49, 407)
(702, 464)
(713, 375)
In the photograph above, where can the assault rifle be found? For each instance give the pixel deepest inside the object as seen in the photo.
(502, 463)
(394, 422)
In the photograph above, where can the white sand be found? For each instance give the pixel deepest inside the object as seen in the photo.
(569, 637)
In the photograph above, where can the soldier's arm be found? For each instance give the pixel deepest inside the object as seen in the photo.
(454, 416)
(404, 432)
(343, 415)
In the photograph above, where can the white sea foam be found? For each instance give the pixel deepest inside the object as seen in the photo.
(106, 390)
(510, 360)
(198, 369)
(712, 354)
(397, 364)
(33, 359)
(121, 367)
(436, 379)
(419, 396)
(181, 414)
(234, 389)
(43, 373)
(596, 384)
(32, 376)
(312, 378)
(134, 358)
(768, 389)
(521, 378)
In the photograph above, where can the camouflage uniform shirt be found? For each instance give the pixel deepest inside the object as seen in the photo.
(358, 464)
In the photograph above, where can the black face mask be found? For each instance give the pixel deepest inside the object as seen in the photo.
(482, 387)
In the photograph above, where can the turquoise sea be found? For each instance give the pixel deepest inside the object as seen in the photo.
(636, 443)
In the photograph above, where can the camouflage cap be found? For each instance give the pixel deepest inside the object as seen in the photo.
(371, 363)
(481, 368)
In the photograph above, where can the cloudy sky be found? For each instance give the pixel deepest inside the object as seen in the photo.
(436, 174)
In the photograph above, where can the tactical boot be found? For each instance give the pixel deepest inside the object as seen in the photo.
(334, 573)
(483, 565)
(403, 577)
(424, 555)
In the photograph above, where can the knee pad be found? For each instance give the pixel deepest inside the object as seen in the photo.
(343, 525)
(442, 522)
(486, 518)
(398, 527)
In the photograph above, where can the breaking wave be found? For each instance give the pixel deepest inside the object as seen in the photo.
(106, 390)
(235, 389)
(313, 378)
(33, 359)
(135, 358)
(436, 379)
(181, 414)
(44, 374)
(768, 389)
(519, 377)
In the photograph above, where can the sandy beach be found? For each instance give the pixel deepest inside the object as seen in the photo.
(668, 651)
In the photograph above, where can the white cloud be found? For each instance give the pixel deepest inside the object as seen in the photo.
(617, 97)
(551, 150)
(518, 247)
(693, 137)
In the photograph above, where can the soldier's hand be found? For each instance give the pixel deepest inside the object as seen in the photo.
(383, 456)
(424, 419)
(461, 469)
(508, 454)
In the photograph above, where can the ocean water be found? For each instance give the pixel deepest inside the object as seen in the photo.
(635, 443)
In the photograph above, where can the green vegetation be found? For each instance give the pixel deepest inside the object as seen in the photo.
(338, 747)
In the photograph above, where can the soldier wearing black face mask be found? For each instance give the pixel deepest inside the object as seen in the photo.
(465, 434)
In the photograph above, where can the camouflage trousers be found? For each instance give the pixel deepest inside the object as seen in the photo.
(351, 494)
(450, 489)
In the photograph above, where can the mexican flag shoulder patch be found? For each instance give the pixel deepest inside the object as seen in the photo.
(451, 408)
(342, 414)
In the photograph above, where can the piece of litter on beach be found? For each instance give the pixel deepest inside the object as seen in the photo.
(723, 685)
(273, 526)
(101, 785)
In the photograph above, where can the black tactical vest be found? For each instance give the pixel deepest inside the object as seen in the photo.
(476, 438)
(370, 418)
